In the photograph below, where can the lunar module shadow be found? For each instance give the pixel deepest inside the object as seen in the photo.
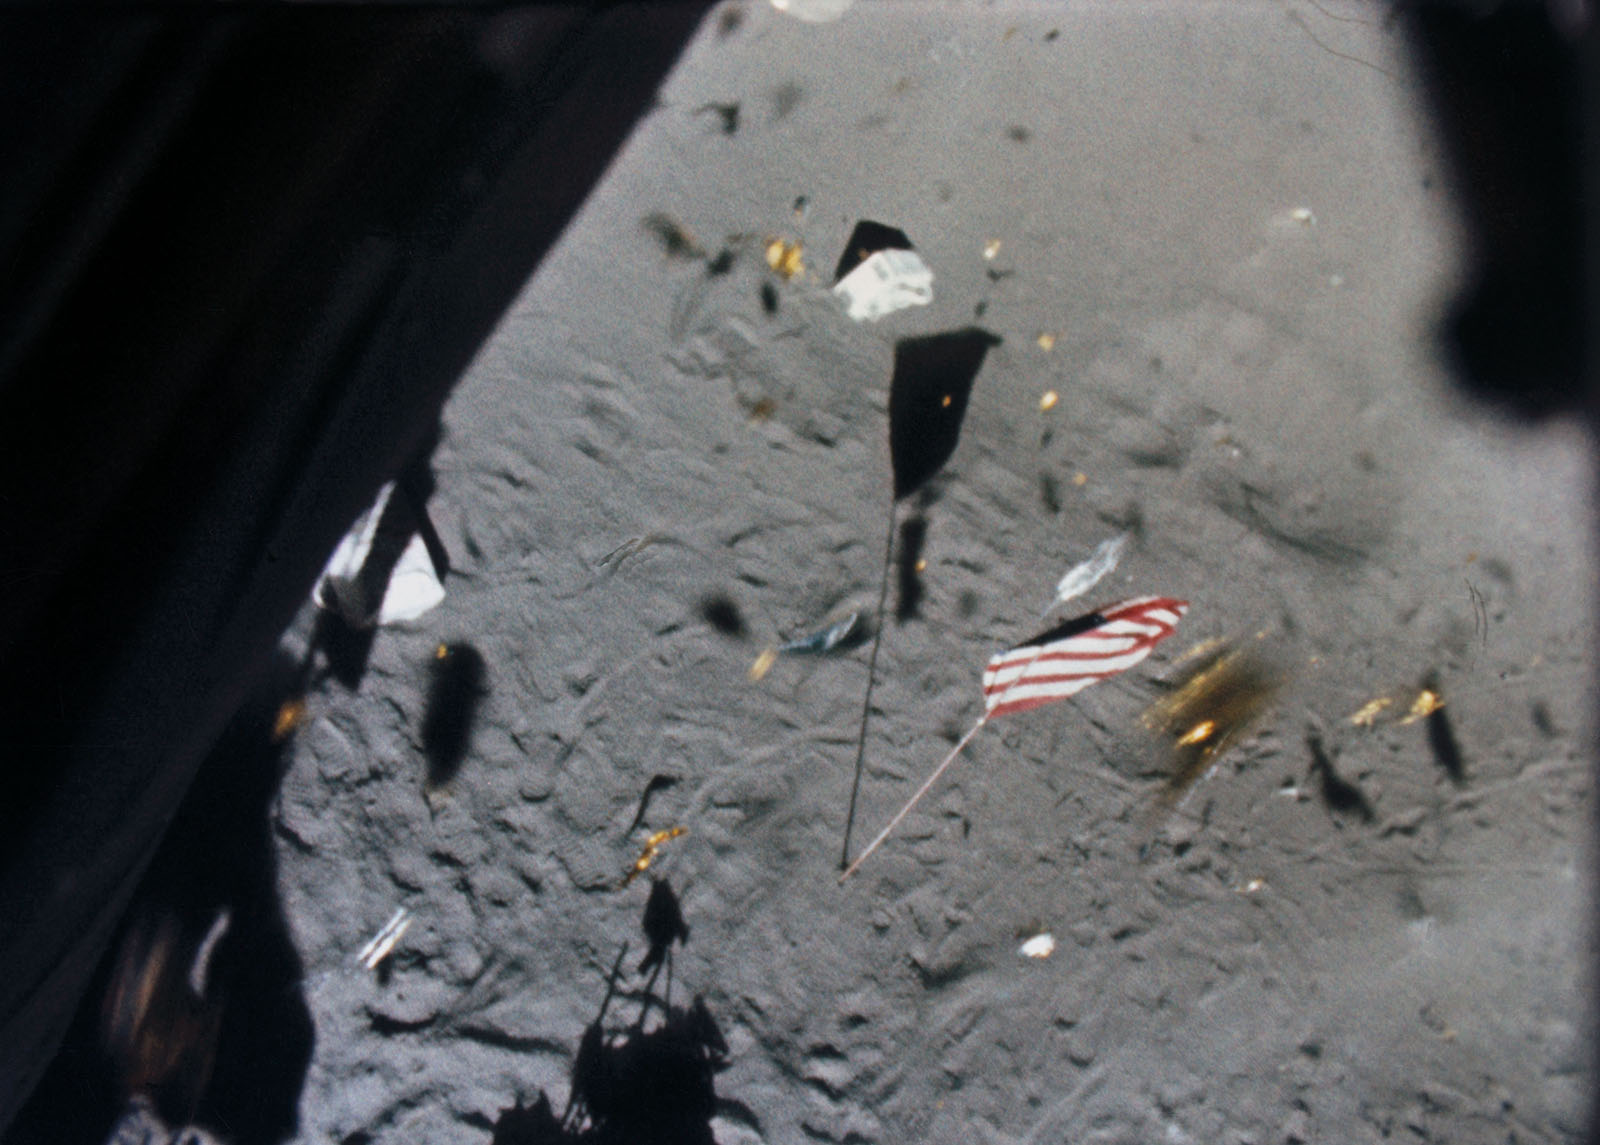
(645, 1081)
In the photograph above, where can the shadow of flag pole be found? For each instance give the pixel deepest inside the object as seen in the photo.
(928, 395)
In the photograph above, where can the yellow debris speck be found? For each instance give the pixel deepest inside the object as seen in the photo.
(1048, 400)
(442, 652)
(1370, 711)
(1080, 479)
(786, 258)
(991, 248)
(763, 664)
(945, 402)
(290, 716)
(1427, 702)
(1047, 342)
(922, 566)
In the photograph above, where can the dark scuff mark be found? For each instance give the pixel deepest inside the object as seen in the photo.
(1540, 715)
(912, 536)
(785, 98)
(722, 614)
(721, 264)
(769, 297)
(1050, 492)
(1446, 749)
(1339, 795)
(674, 237)
(728, 113)
(1018, 134)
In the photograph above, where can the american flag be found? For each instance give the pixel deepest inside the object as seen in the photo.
(1054, 665)
(1085, 650)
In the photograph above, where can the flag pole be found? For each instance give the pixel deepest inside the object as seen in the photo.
(937, 772)
(866, 704)
(921, 791)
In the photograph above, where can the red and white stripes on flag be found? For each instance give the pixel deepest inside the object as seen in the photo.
(1069, 657)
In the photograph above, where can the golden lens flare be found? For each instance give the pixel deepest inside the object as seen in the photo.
(1048, 400)
(786, 258)
(652, 846)
(290, 716)
(1197, 734)
(763, 664)
(1225, 688)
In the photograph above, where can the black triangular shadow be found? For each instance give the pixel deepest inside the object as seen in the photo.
(867, 240)
(933, 379)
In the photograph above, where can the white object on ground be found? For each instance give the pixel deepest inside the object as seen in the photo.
(386, 939)
(1082, 577)
(1039, 946)
(200, 968)
(413, 587)
(813, 11)
(887, 281)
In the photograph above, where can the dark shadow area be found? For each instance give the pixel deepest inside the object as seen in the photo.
(663, 925)
(908, 569)
(650, 1082)
(657, 783)
(722, 613)
(1339, 795)
(928, 397)
(866, 240)
(344, 649)
(455, 689)
(197, 1005)
(1445, 747)
(260, 331)
(1506, 87)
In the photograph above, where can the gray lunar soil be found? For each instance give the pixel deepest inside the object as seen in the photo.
(1251, 388)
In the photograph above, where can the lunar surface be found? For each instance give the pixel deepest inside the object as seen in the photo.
(1212, 245)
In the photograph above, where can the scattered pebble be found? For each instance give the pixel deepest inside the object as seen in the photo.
(1047, 401)
(1039, 946)
(991, 249)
